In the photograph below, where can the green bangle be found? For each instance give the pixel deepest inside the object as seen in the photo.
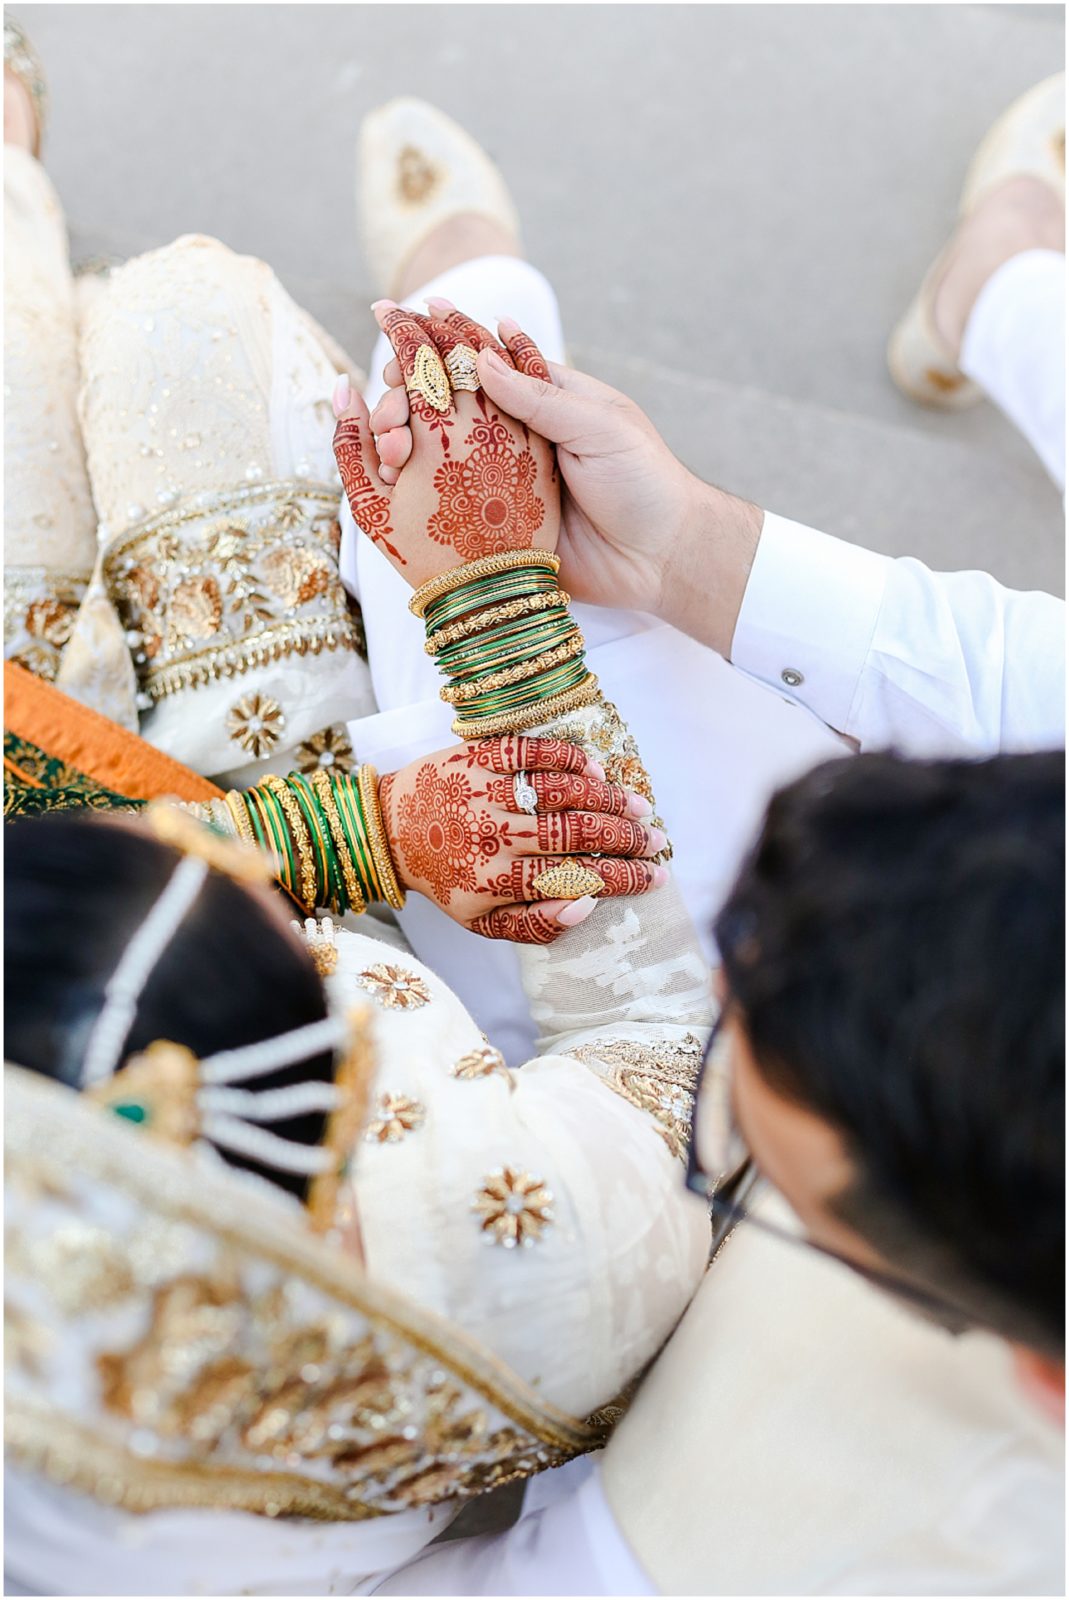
(295, 784)
(348, 798)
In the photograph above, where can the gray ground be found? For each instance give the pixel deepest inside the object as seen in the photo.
(733, 201)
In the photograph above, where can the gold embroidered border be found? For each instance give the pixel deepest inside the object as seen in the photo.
(61, 1131)
(215, 587)
(40, 605)
(659, 1079)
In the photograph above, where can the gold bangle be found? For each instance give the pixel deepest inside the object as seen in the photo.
(320, 782)
(367, 782)
(526, 605)
(485, 567)
(301, 841)
(236, 806)
(518, 674)
(583, 694)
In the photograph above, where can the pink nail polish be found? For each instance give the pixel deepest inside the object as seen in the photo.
(440, 305)
(342, 394)
(638, 805)
(594, 769)
(661, 875)
(508, 325)
(658, 840)
(576, 912)
(382, 305)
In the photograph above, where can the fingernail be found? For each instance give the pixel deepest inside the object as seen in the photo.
(440, 305)
(577, 911)
(594, 769)
(658, 840)
(495, 363)
(638, 805)
(342, 394)
(660, 875)
(508, 325)
(380, 305)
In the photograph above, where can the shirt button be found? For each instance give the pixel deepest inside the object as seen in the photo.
(792, 677)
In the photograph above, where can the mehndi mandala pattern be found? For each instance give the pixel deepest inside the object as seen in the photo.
(229, 581)
(661, 1079)
(231, 1361)
(39, 610)
(394, 988)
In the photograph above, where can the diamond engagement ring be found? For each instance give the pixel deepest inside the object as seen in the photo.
(525, 793)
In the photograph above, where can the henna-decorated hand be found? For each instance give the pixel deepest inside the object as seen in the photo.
(475, 481)
(458, 836)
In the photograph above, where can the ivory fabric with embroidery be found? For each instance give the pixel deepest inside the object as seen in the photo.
(168, 434)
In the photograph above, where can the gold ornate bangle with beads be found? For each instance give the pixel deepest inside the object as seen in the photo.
(485, 567)
(320, 781)
(235, 804)
(533, 716)
(520, 673)
(299, 834)
(367, 781)
(478, 621)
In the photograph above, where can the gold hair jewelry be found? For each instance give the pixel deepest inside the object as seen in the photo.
(526, 717)
(156, 1090)
(460, 693)
(318, 939)
(177, 828)
(353, 1080)
(320, 781)
(485, 567)
(367, 783)
(526, 605)
(430, 379)
(567, 881)
(302, 842)
(461, 364)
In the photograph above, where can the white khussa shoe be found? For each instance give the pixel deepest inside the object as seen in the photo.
(1028, 140)
(416, 168)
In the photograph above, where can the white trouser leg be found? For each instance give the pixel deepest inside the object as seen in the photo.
(1014, 348)
(715, 743)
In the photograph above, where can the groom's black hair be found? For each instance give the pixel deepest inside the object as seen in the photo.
(895, 944)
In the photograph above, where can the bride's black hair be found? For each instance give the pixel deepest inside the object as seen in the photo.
(77, 887)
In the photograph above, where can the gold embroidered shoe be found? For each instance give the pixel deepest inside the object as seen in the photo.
(1028, 140)
(416, 169)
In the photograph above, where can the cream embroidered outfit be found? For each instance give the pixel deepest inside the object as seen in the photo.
(194, 492)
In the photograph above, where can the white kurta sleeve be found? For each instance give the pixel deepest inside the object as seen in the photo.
(892, 654)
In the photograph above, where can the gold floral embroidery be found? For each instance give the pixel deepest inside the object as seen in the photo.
(515, 1207)
(256, 722)
(330, 748)
(482, 1063)
(232, 580)
(395, 1115)
(394, 988)
(659, 1079)
(39, 611)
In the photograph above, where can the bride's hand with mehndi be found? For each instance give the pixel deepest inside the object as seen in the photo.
(474, 481)
(459, 835)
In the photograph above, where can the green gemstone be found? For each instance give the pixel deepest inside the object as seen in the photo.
(131, 1110)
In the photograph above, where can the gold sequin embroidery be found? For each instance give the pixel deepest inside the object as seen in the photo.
(394, 987)
(516, 1208)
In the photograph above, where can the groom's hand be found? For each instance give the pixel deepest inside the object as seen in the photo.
(638, 529)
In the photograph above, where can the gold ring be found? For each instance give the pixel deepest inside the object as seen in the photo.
(462, 368)
(567, 881)
(430, 379)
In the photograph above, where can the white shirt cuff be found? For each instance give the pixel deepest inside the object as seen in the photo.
(808, 616)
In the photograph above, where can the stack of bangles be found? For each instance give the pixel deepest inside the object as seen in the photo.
(501, 632)
(324, 832)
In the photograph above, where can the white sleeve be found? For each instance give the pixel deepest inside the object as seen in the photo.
(889, 653)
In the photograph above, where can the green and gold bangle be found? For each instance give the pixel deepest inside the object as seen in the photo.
(321, 783)
(367, 784)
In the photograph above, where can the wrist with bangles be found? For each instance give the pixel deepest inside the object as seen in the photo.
(324, 832)
(501, 631)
